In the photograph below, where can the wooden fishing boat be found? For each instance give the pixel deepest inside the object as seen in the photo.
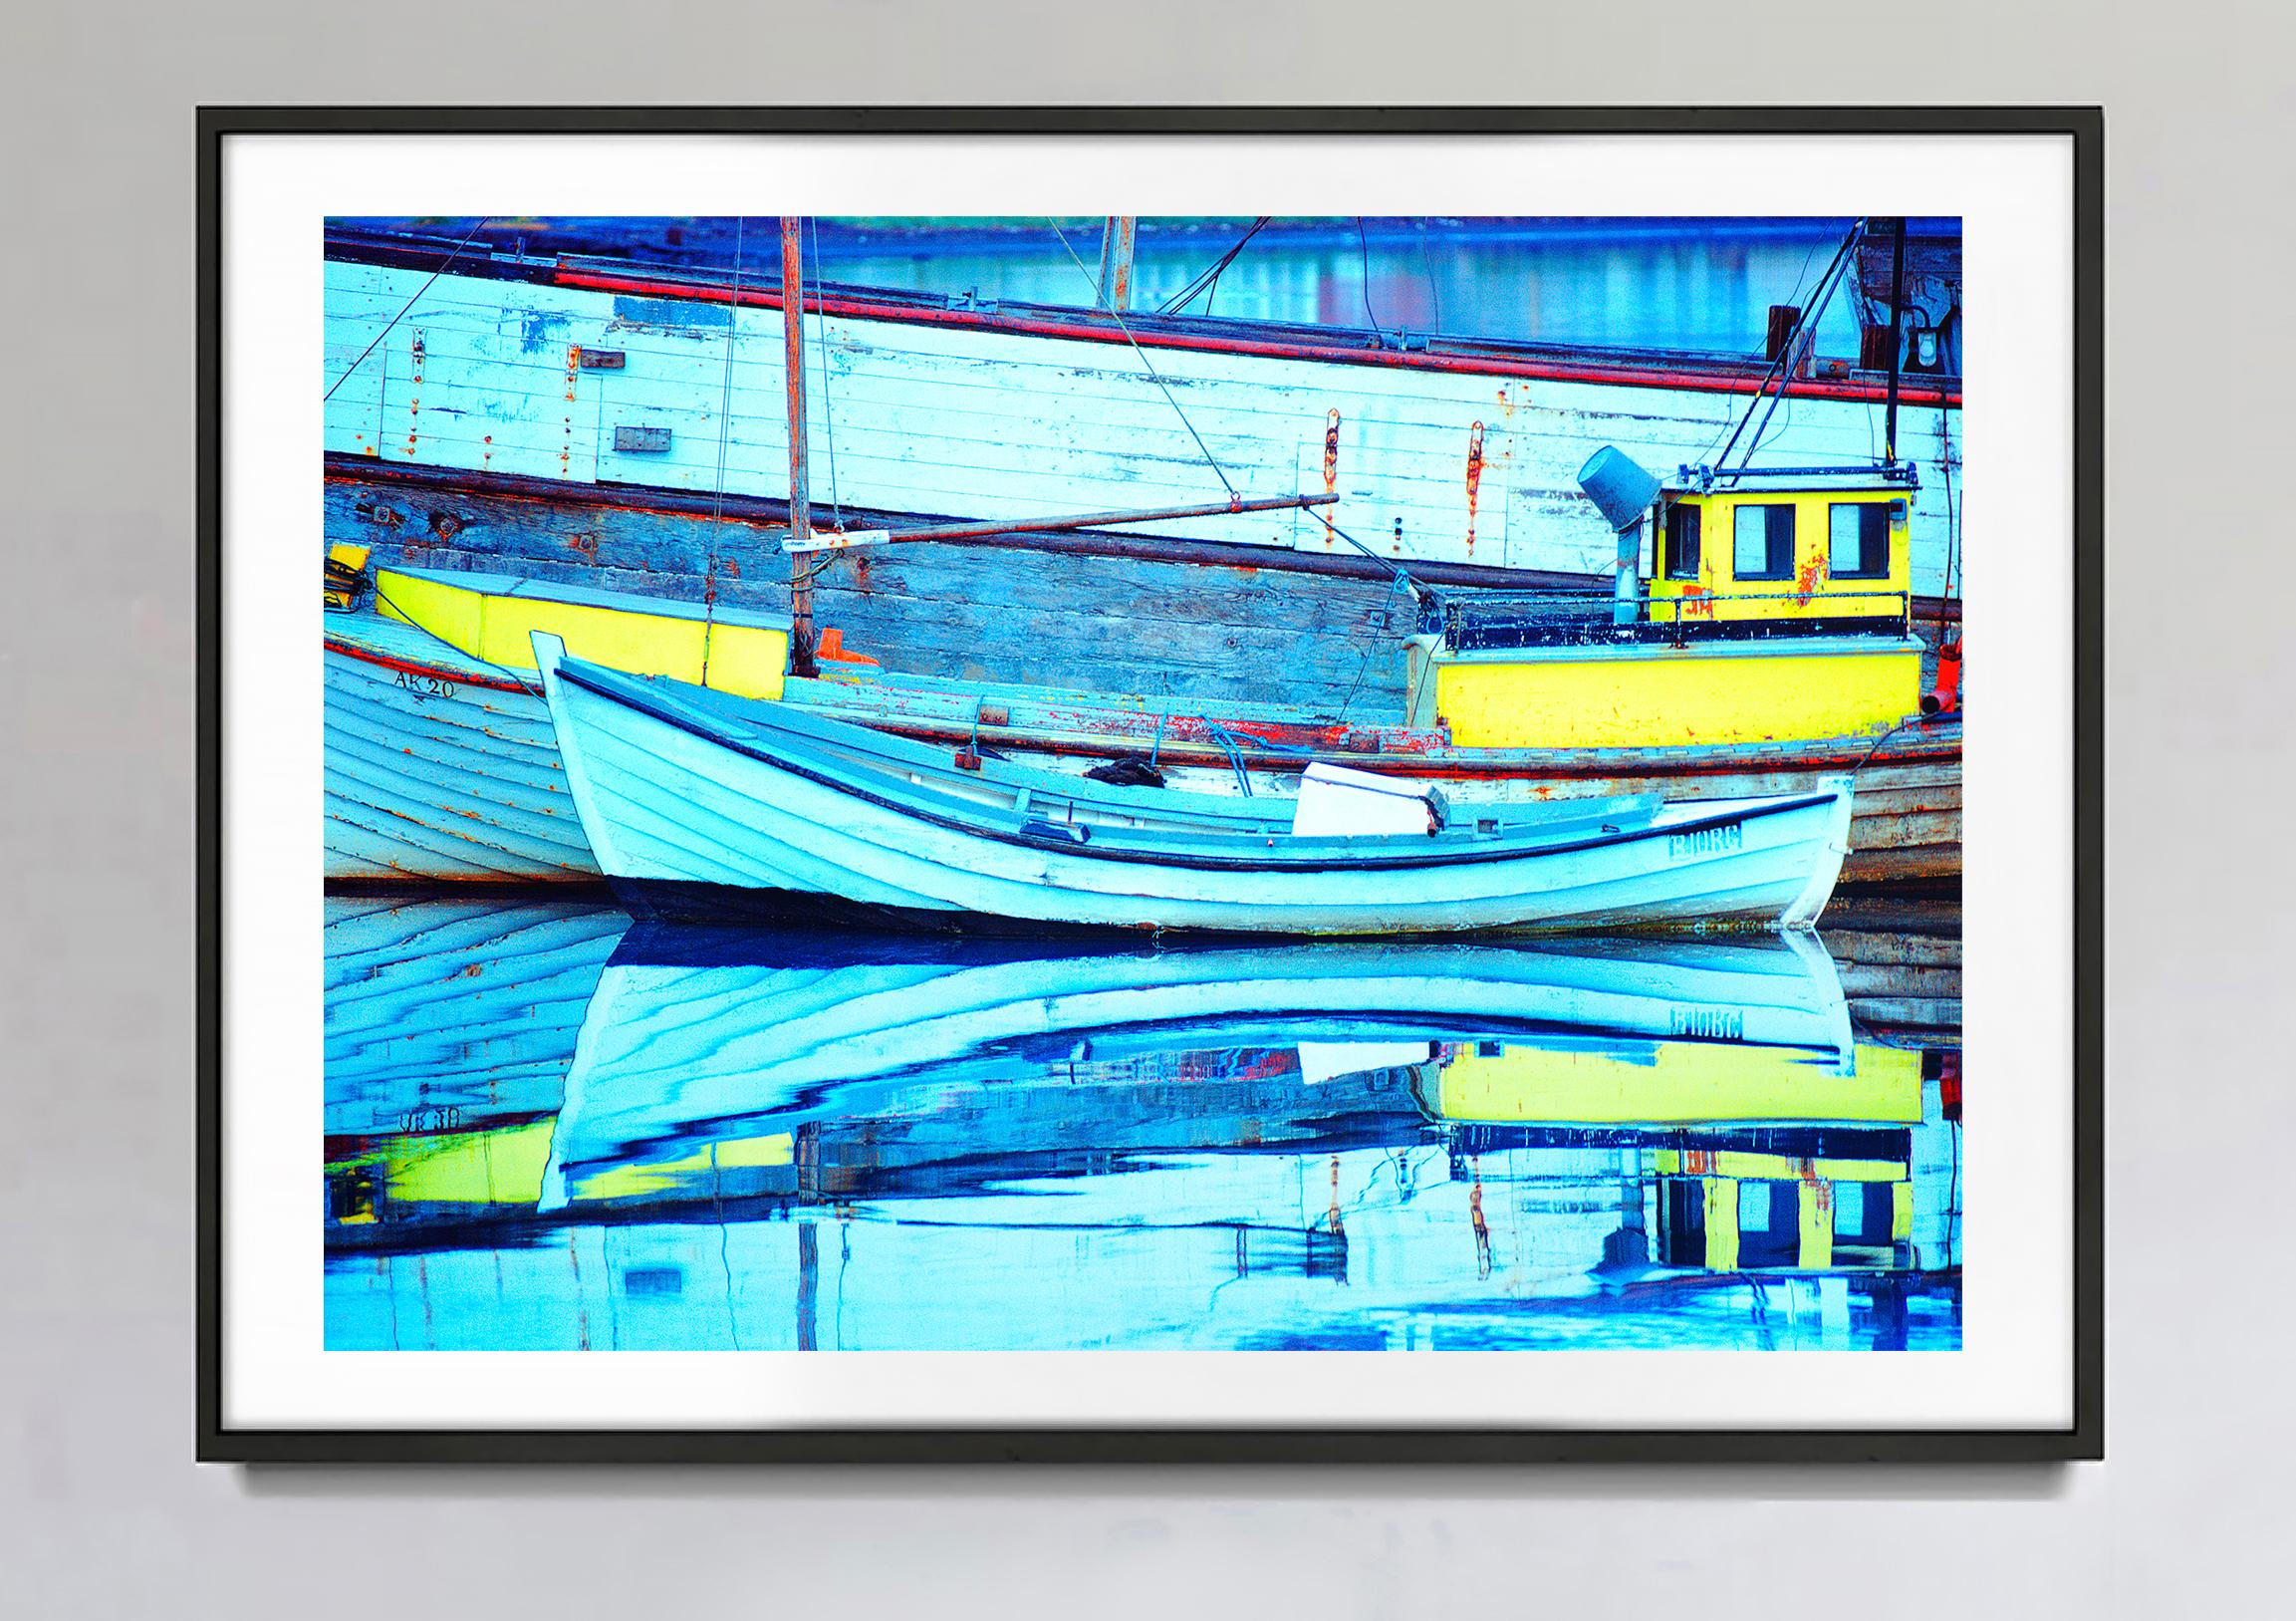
(439, 767)
(553, 416)
(1900, 967)
(694, 801)
(1692, 706)
(443, 767)
(441, 764)
(507, 372)
(492, 618)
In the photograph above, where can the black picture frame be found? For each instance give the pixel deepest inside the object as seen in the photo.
(2083, 1439)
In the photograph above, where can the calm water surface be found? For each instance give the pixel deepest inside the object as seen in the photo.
(547, 1129)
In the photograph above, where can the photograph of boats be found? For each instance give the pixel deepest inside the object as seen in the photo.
(1144, 783)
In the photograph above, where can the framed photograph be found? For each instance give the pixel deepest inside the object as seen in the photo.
(1150, 784)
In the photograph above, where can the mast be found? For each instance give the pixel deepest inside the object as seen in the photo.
(1116, 250)
(801, 567)
(1896, 342)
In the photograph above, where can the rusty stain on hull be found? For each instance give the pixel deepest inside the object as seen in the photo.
(1474, 480)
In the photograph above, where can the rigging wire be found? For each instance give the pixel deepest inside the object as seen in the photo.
(1400, 578)
(445, 266)
(827, 416)
(1149, 366)
(1800, 277)
(725, 439)
(1206, 281)
(1427, 269)
(1403, 579)
(1364, 250)
(1781, 369)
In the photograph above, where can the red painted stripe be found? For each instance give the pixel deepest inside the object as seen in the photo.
(443, 673)
(1624, 374)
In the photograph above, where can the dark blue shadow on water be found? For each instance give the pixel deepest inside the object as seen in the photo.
(548, 1130)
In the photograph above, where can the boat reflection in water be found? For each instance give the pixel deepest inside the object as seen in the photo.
(779, 1141)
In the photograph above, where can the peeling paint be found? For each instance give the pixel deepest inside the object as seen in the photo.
(536, 329)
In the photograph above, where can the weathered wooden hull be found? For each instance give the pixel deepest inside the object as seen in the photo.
(443, 815)
(476, 438)
(1441, 453)
(695, 802)
(1204, 624)
(1905, 830)
(439, 768)
(1900, 966)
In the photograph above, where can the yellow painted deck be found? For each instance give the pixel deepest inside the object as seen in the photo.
(1708, 693)
(492, 616)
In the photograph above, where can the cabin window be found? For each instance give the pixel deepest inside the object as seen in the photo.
(1858, 541)
(1682, 560)
(1769, 1223)
(1762, 543)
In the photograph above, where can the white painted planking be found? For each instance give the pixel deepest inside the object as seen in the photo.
(949, 420)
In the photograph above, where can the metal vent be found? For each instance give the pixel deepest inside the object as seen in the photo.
(642, 441)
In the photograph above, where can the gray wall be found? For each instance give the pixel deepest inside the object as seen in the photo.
(101, 1511)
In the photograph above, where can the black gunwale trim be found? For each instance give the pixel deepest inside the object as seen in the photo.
(573, 673)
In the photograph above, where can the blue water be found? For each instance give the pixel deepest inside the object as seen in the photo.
(1690, 283)
(548, 1131)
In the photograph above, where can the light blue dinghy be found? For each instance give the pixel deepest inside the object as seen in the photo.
(699, 803)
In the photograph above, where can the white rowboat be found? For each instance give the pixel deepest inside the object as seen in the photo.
(699, 803)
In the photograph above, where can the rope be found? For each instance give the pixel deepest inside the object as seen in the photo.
(1226, 740)
(445, 266)
(1274, 746)
(724, 437)
(1867, 758)
(1147, 364)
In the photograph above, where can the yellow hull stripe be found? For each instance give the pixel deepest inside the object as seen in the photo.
(1709, 694)
(748, 661)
